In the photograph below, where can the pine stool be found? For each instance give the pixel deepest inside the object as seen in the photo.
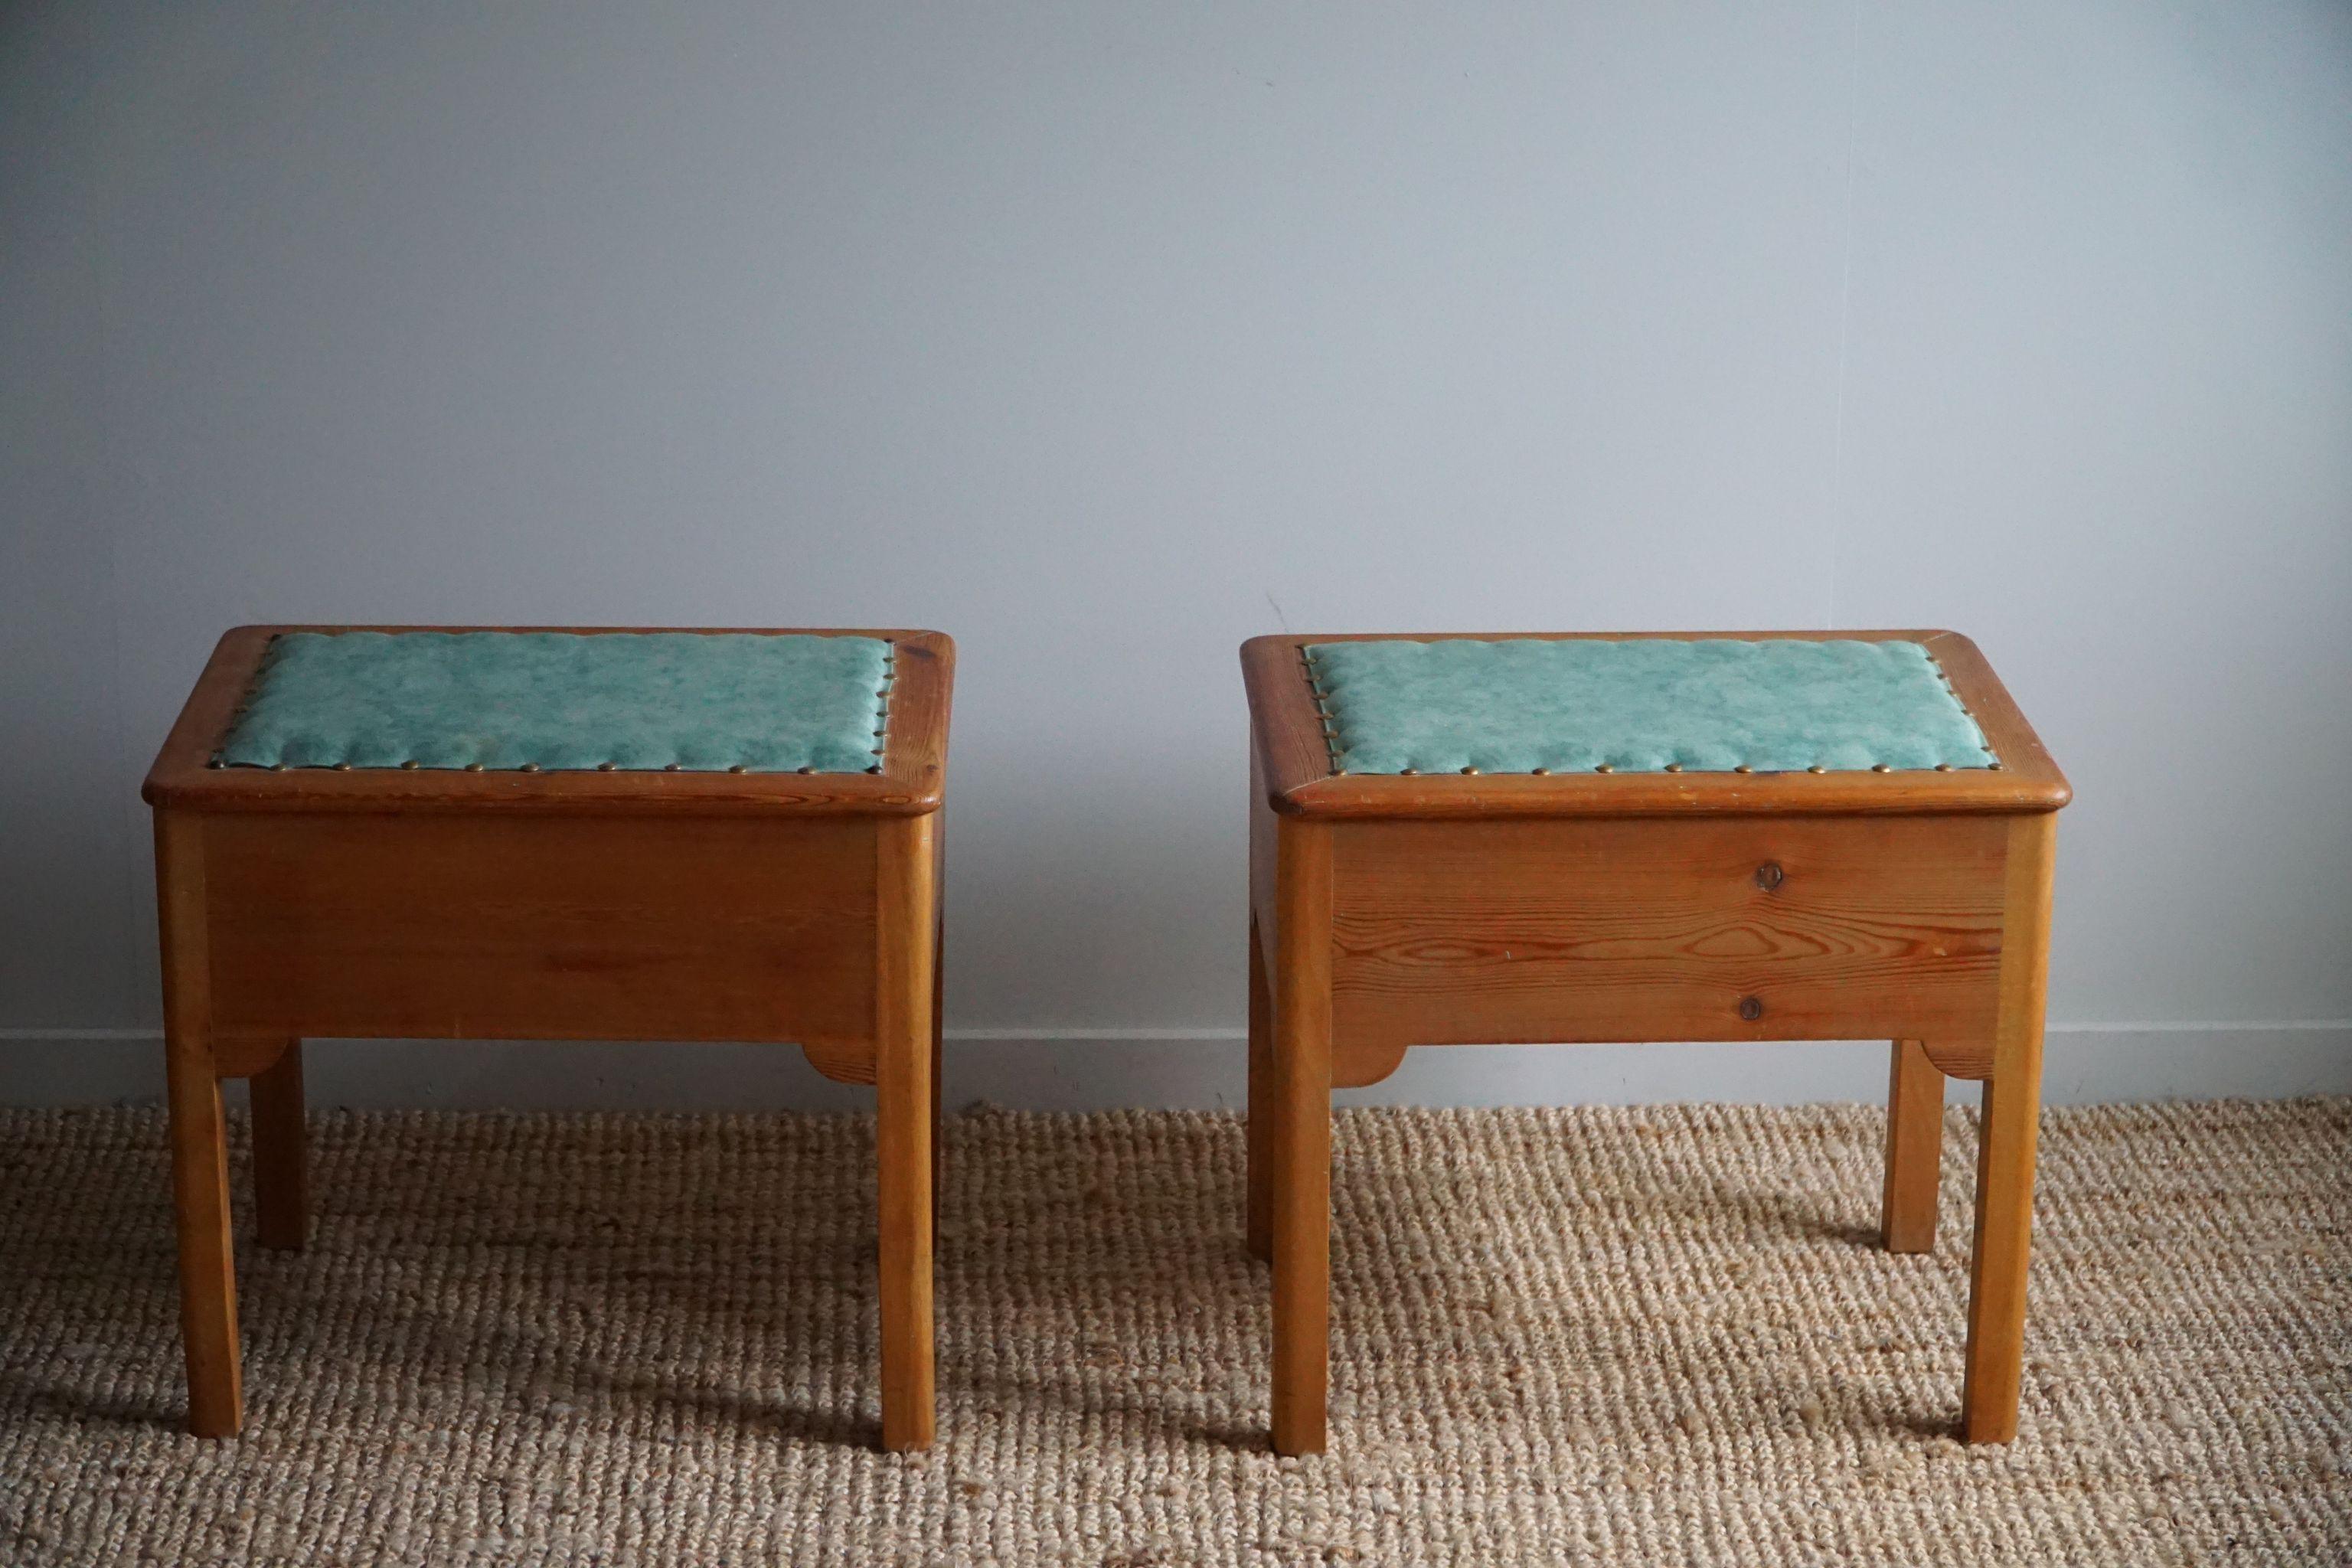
(1736, 836)
(417, 833)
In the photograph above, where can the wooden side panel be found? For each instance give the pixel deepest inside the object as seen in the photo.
(1736, 928)
(542, 927)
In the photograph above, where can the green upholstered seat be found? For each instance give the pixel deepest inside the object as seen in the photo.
(701, 701)
(1523, 705)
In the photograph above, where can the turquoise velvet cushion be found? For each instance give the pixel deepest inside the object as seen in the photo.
(1516, 705)
(704, 701)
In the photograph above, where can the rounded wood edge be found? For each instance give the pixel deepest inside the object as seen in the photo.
(1298, 781)
(912, 782)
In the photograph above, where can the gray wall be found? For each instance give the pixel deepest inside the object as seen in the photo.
(1104, 336)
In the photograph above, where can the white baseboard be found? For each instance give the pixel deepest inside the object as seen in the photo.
(1063, 1069)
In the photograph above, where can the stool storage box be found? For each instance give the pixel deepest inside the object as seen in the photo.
(1692, 837)
(559, 834)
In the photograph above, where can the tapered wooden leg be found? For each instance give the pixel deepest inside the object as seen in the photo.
(1300, 1136)
(1915, 1147)
(207, 1263)
(2012, 1102)
(904, 1051)
(1260, 1222)
(281, 1169)
(199, 1136)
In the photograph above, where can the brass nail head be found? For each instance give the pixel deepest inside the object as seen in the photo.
(1769, 874)
(1817, 768)
(1880, 768)
(1604, 767)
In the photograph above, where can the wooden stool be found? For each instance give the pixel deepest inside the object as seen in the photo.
(1735, 836)
(466, 833)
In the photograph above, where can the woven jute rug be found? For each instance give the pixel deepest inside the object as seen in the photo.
(1600, 1336)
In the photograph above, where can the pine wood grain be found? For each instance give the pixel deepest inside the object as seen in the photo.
(1259, 1221)
(903, 1043)
(1510, 932)
(200, 1194)
(2011, 1112)
(1915, 1140)
(542, 927)
(281, 1160)
(1301, 1139)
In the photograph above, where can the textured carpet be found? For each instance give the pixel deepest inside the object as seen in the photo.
(1601, 1336)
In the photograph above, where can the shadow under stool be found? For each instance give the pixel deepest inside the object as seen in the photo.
(1538, 839)
(550, 833)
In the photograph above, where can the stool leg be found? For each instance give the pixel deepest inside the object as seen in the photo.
(199, 1137)
(1260, 1226)
(904, 1051)
(1915, 1141)
(1301, 1139)
(282, 1171)
(2013, 1103)
(200, 1205)
(938, 1039)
